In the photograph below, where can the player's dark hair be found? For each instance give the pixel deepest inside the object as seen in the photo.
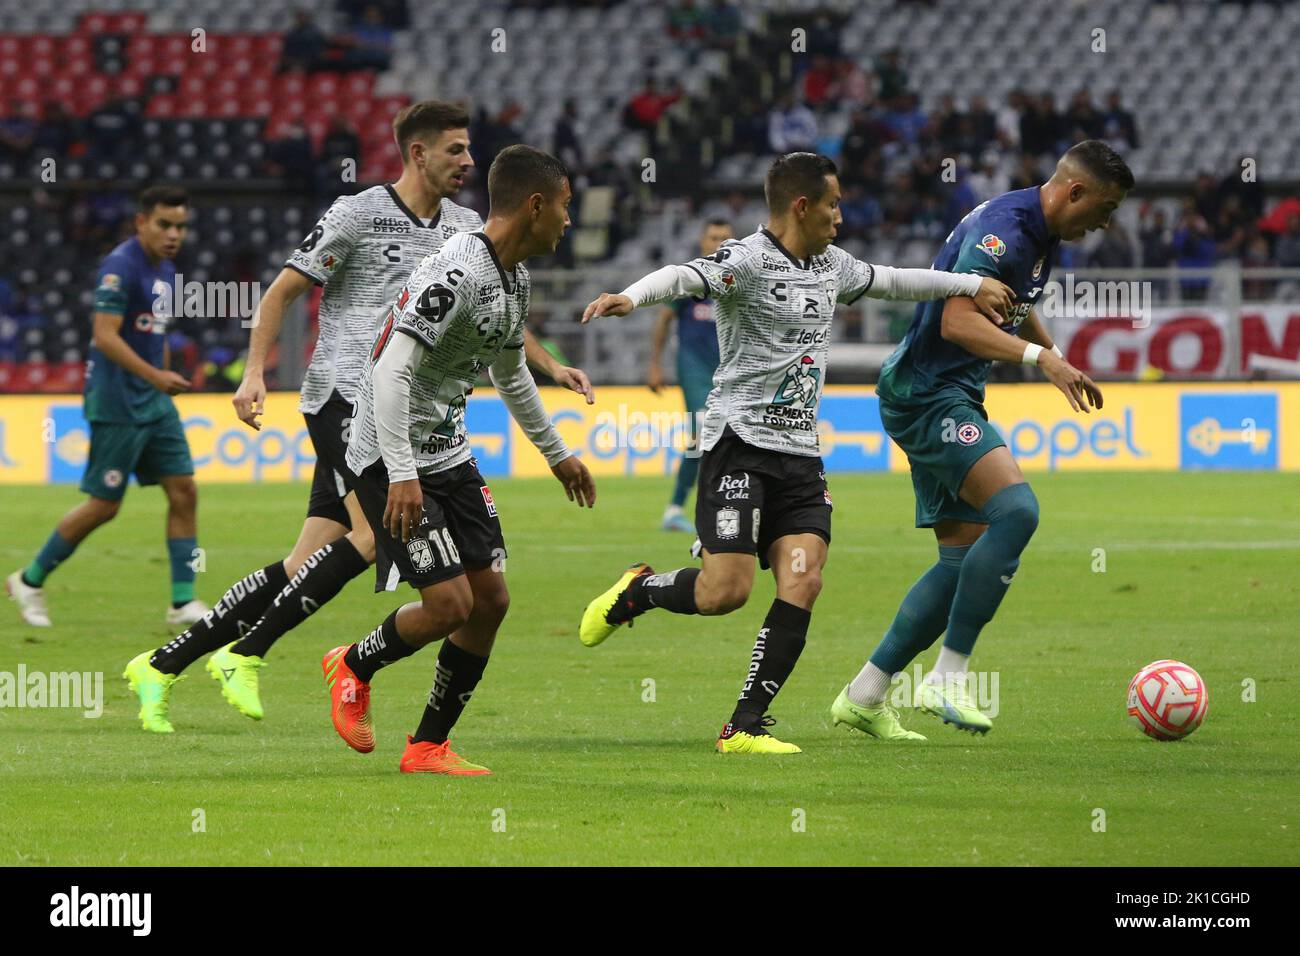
(717, 221)
(1101, 162)
(427, 119)
(161, 196)
(794, 175)
(518, 172)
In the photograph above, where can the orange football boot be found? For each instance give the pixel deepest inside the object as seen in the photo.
(349, 701)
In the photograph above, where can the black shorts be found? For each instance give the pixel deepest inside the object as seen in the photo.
(748, 497)
(329, 429)
(458, 532)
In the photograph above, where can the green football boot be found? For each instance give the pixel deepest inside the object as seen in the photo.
(951, 703)
(237, 675)
(153, 687)
(881, 721)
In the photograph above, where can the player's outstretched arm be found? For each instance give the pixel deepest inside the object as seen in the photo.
(963, 325)
(107, 337)
(517, 389)
(989, 296)
(392, 377)
(250, 397)
(540, 360)
(670, 282)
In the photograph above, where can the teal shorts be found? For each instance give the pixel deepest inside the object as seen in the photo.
(943, 437)
(150, 451)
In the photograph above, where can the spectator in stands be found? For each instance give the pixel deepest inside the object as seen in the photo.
(289, 159)
(1026, 172)
(1119, 129)
(722, 24)
(17, 133)
(647, 107)
(1155, 237)
(1039, 125)
(906, 118)
(565, 143)
(489, 135)
(891, 75)
(1242, 183)
(304, 45)
(369, 45)
(1230, 228)
(1287, 253)
(341, 143)
(1193, 249)
(983, 123)
(113, 130)
(818, 83)
(1115, 250)
(57, 133)
(1206, 197)
(1082, 121)
(989, 179)
(1008, 120)
(861, 213)
(791, 126)
(686, 24)
(749, 126)
(853, 86)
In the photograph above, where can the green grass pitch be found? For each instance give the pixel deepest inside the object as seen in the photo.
(1200, 567)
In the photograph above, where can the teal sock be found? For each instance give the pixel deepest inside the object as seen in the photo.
(687, 472)
(988, 569)
(181, 553)
(54, 552)
(923, 614)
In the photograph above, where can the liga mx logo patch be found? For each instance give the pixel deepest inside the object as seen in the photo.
(421, 556)
(994, 246)
(968, 433)
(488, 502)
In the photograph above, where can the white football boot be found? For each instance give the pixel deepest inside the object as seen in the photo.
(187, 614)
(30, 600)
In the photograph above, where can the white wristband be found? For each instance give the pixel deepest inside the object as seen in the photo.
(1057, 352)
(1032, 352)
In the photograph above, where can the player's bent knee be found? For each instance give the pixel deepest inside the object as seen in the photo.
(447, 610)
(1016, 508)
(802, 590)
(105, 510)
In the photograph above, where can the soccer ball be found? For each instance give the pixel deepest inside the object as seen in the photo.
(1167, 700)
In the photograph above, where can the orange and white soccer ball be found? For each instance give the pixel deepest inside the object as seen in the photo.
(1167, 700)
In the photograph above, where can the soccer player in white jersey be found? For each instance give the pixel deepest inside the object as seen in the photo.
(433, 516)
(361, 251)
(762, 491)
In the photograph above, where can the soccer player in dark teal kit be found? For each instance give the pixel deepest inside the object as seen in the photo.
(697, 360)
(134, 426)
(968, 487)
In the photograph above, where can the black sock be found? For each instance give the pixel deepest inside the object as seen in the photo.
(776, 651)
(233, 616)
(381, 647)
(321, 576)
(458, 673)
(673, 591)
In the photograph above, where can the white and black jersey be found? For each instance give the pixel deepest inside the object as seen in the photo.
(459, 314)
(361, 251)
(774, 326)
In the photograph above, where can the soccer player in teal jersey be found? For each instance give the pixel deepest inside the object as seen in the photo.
(697, 360)
(968, 487)
(134, 427)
